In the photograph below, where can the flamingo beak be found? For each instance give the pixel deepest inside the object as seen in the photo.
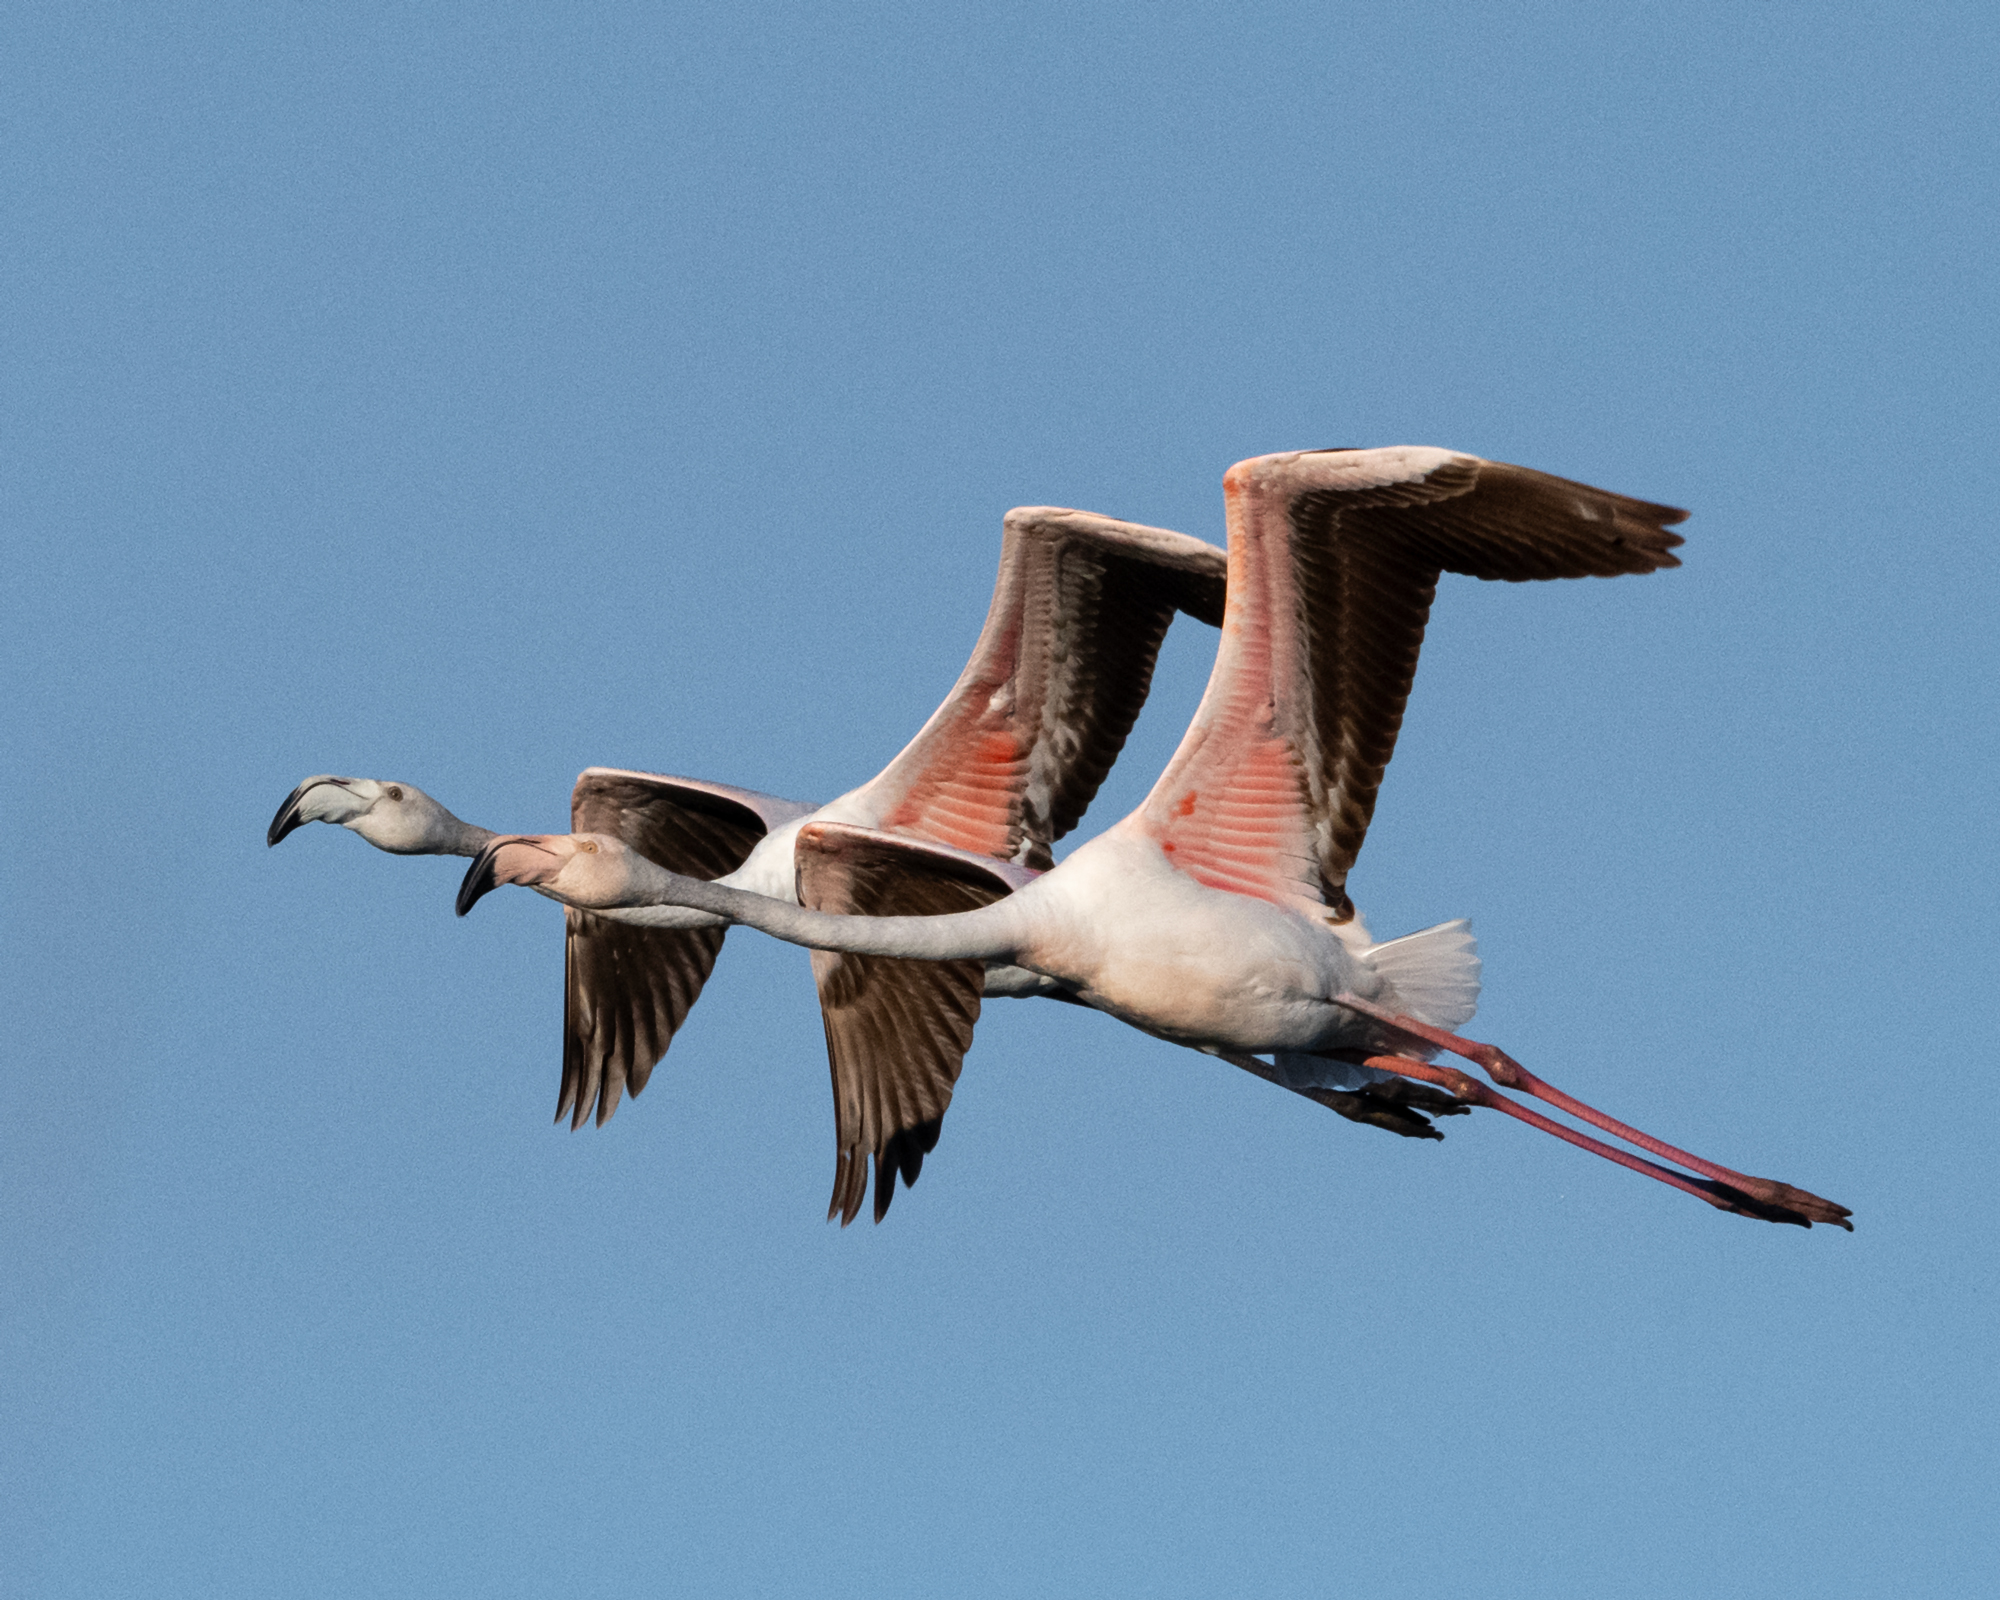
(292, 815)
(525, 858)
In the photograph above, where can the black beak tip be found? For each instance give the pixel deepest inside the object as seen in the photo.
(288, 819)
(479, 881)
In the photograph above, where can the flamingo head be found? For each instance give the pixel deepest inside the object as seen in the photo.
(397, 817)
(591, 871)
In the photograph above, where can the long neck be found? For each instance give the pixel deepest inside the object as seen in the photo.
(662, 916)
(439, 835)
(464, 838)
(992, 933)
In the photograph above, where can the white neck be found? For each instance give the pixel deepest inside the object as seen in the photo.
(991, 933)
(651, 916)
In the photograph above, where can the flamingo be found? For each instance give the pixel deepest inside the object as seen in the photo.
(1217, 914)
(1004, 767)
(902, 1027)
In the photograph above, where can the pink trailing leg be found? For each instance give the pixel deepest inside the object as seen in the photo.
(1504, 1070)
(1474, 1093)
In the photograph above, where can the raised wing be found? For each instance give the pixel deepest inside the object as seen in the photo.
(1008, 764)
(896, 1031)
(1334, 557)
(626, 989)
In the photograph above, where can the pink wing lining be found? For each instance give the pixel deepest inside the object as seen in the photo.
(1009, 761)
(1231, 808)
(1334, 558)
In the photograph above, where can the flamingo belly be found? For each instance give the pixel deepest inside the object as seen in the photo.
(1151, 946)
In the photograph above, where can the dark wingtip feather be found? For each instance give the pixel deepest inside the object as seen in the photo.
(1642, 529)
(903, 1153)
(849, 1166)
(588, 1082)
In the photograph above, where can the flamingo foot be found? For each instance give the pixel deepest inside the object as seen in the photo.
(1727, 1188)
(1401, 1106)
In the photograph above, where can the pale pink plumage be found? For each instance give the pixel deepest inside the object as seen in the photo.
(1215, 914)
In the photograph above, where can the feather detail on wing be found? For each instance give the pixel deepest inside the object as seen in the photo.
(1334, 558)
(626, 989)
(1011, 760)
(896, 1030)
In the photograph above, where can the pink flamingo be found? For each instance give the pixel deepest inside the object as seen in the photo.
(898, 1029)
(1005, 767)
(1216, 915)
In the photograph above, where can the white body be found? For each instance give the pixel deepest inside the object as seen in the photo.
(1148, 944)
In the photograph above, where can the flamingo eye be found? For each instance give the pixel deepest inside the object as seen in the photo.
(395, 791)
(587, 846)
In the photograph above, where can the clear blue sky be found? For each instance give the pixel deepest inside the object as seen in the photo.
(470, 394)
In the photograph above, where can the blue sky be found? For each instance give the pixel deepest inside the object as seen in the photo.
(467, 395)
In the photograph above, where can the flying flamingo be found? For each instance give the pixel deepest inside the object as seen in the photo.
(1003, 768)
(1213, 915)
(902, 1027)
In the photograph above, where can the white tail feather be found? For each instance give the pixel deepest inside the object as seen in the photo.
(1435, 973)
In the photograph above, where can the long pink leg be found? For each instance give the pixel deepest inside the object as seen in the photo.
(1504, 1070)
(1723, 1196)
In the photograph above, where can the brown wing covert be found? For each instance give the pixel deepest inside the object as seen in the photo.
(896, 1030)
(1366, 563)
(627, 989)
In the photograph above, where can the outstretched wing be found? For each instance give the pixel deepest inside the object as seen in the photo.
(1334, 559)
(896, 1031)
(1008, 764)
(627, 989)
